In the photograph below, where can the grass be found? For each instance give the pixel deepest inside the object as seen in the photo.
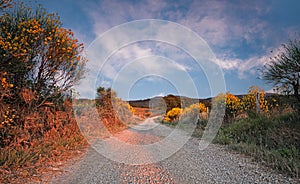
(33, 149)
(273, 141)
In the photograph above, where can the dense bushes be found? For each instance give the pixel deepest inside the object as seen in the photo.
(267, 129)
(234, 106)
(189, 114)
(113, 112)
(39, 63)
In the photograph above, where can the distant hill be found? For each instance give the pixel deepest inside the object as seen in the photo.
(173, 100)
(170, 101)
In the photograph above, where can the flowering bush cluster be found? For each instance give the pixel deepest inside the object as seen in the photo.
(248, 103)
(173, 114)
(39, 63)
(187, 114)
(37, 53)
(233, 106)
(123, 110)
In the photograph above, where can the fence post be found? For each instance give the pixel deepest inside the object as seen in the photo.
(257, 98)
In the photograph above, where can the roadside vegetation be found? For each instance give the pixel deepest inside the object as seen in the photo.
(39, 63)
(272, 136)
(272, 140)
(264, 126)
(269, 131)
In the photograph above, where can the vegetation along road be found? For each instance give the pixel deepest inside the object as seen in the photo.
(188, 165)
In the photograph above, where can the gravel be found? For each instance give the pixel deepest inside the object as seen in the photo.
(215, 164)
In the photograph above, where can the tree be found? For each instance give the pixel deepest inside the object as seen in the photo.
(104, 98)
(283, 70)
(172, 102)
(38, 54)
(5, 4)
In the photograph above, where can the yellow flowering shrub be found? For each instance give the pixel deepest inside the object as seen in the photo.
(230, 102)
(37, 53)
(39, 63)
(173, 114)
(123, 110)
(189, 114)
(202, 107)
(7, 118)
(248, 102)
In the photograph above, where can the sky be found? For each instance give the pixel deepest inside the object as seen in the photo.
(195, 48)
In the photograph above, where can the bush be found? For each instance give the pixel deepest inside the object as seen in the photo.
(39, 63)
(112, 109)
(37, 54)
(173, 114)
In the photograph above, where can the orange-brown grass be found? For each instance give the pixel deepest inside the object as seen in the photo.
(94, 124)
(41, 141)
(34, 143)
(142, 112)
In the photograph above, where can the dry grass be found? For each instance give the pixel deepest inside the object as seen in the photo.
(37, 143)
(142, 112)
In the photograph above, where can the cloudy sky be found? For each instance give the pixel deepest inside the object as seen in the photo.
(237, 36)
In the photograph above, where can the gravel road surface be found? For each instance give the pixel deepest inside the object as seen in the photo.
(188, 165)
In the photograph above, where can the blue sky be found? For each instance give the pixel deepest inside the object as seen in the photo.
(240, 34)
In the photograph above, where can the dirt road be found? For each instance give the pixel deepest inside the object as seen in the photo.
(187, 165)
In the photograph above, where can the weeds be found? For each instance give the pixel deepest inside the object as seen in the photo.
(36, 142)
(271, 140)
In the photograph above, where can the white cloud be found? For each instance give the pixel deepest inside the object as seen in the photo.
(109, 13)
(133, 51)
(152, 68)
(162, 94)
(249, 65)
(226, 26)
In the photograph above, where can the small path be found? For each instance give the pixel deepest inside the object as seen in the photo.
(188, 165)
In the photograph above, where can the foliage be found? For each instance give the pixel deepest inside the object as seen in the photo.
(5, 4)
(235, 106)
(39, 63)
(271, 139)
(284, 70)
(112, 108)
(173, 114)
(202, 107)
(231, 104)
(249, 103)
(188, 115)
(37, 54)
(172, 102)
(192, 113)
(47, 137)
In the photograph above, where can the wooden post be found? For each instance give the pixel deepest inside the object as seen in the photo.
(257, 98)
